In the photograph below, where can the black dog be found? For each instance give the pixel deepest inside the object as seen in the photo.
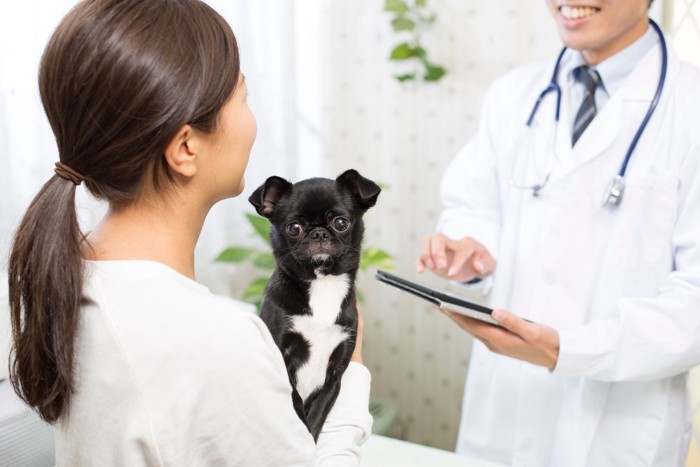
(309, 304)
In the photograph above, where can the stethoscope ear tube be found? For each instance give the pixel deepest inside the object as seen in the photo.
(553, 86)
(654, 101)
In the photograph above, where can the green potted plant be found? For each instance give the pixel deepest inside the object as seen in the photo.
(411, 18)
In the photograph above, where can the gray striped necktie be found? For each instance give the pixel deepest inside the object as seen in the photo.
(590, 80)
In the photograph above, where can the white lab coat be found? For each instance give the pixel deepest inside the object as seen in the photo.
(621, 285)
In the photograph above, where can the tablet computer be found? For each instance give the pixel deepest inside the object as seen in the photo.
(439, 298)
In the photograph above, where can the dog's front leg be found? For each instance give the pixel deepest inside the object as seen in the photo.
(320, 402)
(295, 351)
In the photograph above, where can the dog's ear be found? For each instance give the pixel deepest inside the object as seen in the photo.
(363, 190)
(266, 197)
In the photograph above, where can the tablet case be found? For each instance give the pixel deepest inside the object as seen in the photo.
(441, 299)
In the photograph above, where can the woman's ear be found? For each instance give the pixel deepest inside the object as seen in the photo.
(180, 154)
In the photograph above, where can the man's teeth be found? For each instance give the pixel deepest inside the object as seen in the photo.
(576, 12)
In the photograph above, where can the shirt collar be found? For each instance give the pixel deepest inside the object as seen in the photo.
(614, 70)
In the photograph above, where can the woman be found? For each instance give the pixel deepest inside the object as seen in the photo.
(114, 341)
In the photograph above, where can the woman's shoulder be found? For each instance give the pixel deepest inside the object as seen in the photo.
(202, 368)
(149, 302)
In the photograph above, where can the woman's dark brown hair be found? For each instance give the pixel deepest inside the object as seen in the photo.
(118, 79)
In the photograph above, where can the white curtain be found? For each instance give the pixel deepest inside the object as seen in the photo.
(27, 148)
(26, 141)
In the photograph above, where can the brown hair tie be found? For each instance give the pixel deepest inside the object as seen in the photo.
(65, 172)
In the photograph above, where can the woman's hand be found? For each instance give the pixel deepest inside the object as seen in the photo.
(457, 260)
(530, 342)
(357, 353)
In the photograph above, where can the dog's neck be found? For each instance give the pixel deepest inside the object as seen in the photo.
(306, 273)
(326, 295)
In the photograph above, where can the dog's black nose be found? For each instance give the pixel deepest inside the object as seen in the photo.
(320, 234)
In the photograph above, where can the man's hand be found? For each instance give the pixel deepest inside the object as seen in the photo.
(530, 342)
(458, 260)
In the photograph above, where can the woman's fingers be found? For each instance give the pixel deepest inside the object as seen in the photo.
(357, 352)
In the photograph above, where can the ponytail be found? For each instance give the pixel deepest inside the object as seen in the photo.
(45, 280)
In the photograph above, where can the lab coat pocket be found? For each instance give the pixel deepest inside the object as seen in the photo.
(643, 223)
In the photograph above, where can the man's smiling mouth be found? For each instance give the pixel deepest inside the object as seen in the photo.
(577, 12)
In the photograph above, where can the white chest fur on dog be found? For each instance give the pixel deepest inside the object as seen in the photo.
(326, 295)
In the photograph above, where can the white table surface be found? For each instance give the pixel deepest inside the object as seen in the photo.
(381, 451)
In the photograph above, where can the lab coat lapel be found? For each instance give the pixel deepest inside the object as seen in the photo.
(642, 82)
(606, 128)
(600, 134)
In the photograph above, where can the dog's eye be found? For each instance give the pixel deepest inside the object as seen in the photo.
(294, 229)
(340, 224)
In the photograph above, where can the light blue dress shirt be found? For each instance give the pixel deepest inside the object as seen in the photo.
(613, 71)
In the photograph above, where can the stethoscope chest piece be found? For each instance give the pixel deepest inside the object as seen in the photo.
(614, 192)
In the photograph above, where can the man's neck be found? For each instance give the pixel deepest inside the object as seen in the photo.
(594, 56)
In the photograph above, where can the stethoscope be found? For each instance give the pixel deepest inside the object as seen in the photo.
(616, 188)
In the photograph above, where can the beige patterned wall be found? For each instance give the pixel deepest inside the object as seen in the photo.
(403, 136)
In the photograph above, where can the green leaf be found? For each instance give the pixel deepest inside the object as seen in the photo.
(375, 257)
(255, 291)
(236, 254)
(420, 3)
(395, 6)
(252, 297)
(402, 52)
(421, 54)
(406, 77)
(258, 285)
(264, 260)
(261, 226)
(434, 73)
(401, 23)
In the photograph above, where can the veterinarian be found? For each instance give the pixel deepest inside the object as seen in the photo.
(115, 343)
(602, 258)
